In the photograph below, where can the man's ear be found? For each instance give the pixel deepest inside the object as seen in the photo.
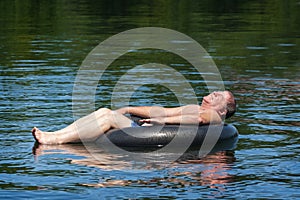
(222, 112)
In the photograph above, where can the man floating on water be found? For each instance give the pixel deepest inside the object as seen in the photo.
(214, 108)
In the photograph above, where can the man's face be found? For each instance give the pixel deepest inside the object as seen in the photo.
(215, 100)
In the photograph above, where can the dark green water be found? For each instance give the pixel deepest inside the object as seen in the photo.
(255, 45)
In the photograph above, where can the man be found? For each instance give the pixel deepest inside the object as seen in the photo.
(214, 108)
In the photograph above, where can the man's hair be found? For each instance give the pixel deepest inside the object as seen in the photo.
(231, 107)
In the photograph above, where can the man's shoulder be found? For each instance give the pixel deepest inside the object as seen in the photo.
(210, 116)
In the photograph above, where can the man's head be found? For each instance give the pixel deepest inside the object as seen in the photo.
(221, 101)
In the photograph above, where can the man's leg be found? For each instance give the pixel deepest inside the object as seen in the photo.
(88, 128)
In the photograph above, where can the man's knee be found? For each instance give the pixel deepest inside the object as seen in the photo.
(105, 111)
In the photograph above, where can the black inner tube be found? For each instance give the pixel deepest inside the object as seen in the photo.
(159, 136)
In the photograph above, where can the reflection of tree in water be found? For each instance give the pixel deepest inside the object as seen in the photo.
(209, 171)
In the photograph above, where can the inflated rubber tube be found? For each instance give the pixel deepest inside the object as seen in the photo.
(157, 136)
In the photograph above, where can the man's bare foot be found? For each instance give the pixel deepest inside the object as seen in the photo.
(45, 137)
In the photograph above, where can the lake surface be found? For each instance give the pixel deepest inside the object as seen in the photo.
(255, 45)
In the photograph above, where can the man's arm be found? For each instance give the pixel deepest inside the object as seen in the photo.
(180, 119)
(157, 111)
(204, 117)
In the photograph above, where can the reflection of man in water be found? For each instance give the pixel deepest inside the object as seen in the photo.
(211, 171)
(214, 108)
